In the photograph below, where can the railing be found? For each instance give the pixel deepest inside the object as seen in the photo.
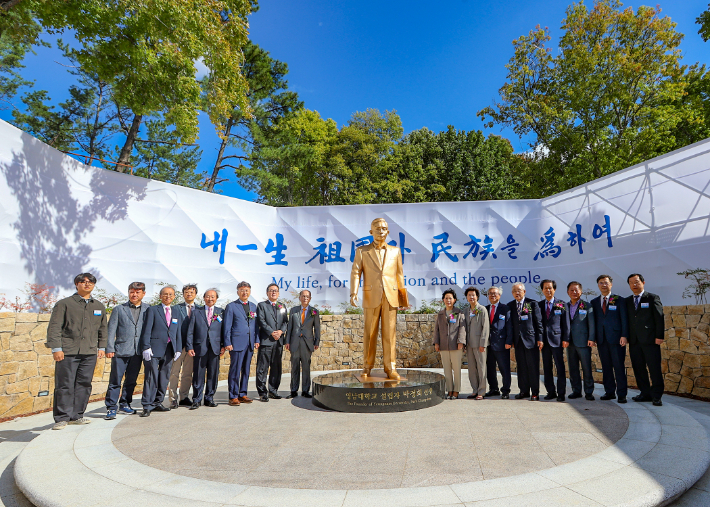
(88, 159)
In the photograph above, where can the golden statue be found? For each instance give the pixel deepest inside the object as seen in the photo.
(383, 292)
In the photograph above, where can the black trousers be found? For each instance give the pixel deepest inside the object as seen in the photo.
(72, 386)
(575, 357)
(645, 357)
(201, 366)
(268, 360)
(301, 360)
(549, 355)
(129, 366)
(502, 359)
(156, 378)
(528, 369)
(612, 357)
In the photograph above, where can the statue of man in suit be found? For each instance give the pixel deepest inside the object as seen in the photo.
(383, 292)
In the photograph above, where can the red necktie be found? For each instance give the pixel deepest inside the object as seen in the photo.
(493, 312)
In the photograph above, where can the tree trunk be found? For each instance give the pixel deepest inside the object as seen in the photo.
(6, 6)
(218, 164)
(125, 156)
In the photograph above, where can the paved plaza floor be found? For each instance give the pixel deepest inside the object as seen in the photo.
(289, 452)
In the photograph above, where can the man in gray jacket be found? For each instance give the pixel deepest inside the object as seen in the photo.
(77, 337)
(123, 348)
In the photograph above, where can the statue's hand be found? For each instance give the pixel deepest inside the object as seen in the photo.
(353, 300)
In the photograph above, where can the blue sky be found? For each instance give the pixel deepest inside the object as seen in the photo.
(436, 65)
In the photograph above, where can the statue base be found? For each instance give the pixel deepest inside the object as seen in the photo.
(349, 391)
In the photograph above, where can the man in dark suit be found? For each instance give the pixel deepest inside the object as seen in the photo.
(161, 343)
(124, 350)
(302, 338)
(184, 362)
(612, 332)
(581, 338)
(525, 325)
(241, 337)
(646, 327)
(273, 321)
(499, 345)
(555, 338)
(204, 345)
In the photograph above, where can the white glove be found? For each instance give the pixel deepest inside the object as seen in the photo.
(147, 354)
(177, 354)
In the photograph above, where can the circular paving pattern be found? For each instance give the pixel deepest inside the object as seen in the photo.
(289, 444)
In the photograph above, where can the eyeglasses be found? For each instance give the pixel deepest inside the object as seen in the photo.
(272, 290)
(87, 282)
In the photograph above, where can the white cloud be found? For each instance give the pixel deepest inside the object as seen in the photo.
(202, 69)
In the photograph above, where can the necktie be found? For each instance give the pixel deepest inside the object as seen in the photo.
(604, 305)
(167, 315)
(189, 311)
(209, 316)
(636, 302)
(549, 306)
(303, 315)
(493, 312)
(519, 308)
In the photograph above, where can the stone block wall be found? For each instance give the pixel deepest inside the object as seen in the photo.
(27, 367)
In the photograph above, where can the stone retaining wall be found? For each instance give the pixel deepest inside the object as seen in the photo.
(27, 367)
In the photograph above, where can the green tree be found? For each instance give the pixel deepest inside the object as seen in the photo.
(608, 100)
(161, 157)
(291, 167)
(704, 21)
(244, 131)
(146, 50)
(451, 166)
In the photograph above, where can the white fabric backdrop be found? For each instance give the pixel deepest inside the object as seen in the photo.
(59, 217)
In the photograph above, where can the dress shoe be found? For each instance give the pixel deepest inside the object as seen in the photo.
(195, 405)
(606, 396)
(657, 403)
(640, 398)
(551, 396)
(393, 375)
(235, 402)
(264, 398)
(185, 402)
(174, 404)
(574, 396)
(492, 392)
(521, 396)
(145, 413)
(561, 397)
(365, 372)
(535, 398)
(505, 396)
(275, 396)
(622, 399)
(589, 397)
(161, 408)
(210, 403)
(307, 395)
(245, 399)
(292, 395)
(471, 397)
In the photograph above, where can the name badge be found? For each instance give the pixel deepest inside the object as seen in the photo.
(501, 317)
(558, 312)
(523, 317)
(583, 312)
(612, 307)
(452, 321)
(219, 318)
(174, 321)
(97, 313)
(644, 305)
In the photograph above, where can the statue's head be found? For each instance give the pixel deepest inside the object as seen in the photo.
(379, 229)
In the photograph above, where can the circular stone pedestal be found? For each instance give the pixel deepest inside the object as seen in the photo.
(348, 391)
